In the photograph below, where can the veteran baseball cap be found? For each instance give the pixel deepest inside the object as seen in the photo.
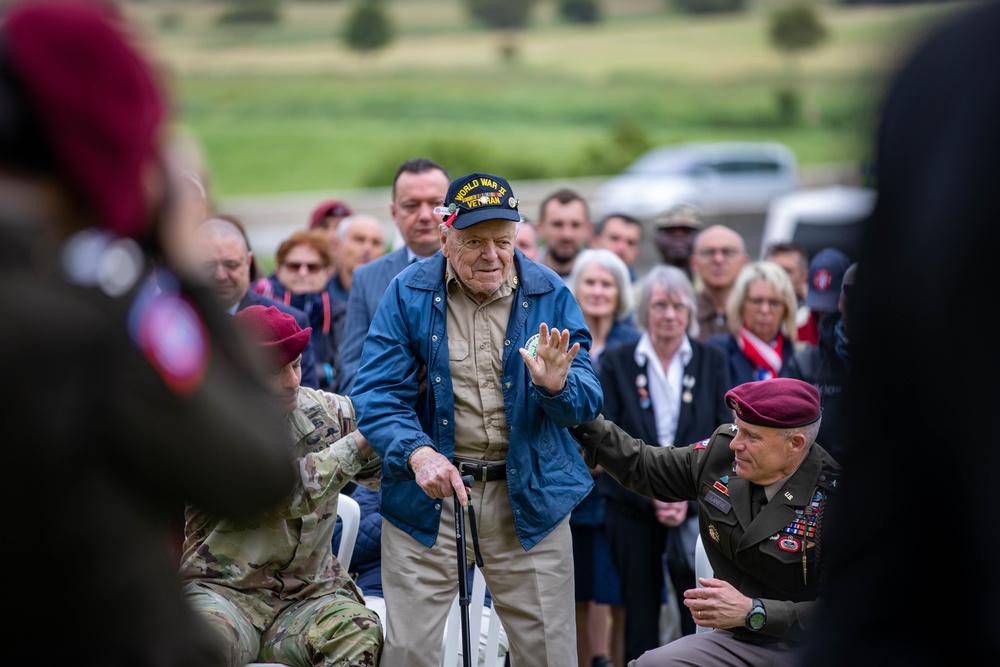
(478, 197)
(778, 403)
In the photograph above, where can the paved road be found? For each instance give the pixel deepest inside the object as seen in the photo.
(272, 218)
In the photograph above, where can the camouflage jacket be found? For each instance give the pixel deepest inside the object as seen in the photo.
(286, 554)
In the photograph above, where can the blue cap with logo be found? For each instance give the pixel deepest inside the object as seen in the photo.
(478, 197)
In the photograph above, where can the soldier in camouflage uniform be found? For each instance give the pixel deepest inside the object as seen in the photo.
(273, 586)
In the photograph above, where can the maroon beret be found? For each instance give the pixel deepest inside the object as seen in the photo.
(332, 207)
(779, 403)
(276, 332)
(94, 97)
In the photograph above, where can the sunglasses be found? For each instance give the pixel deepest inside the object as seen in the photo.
(295, 267)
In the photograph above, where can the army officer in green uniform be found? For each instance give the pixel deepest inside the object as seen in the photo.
(762, 484)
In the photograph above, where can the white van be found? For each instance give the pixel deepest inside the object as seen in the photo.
(819, 218)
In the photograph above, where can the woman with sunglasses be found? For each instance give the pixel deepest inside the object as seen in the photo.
(303, 266)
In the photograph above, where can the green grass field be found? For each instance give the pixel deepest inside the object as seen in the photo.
(288, 108)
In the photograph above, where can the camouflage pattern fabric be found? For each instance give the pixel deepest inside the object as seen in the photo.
(273, 584)
(329, 631)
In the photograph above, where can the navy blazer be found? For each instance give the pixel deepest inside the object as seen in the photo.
(697, 420)
(309, 378)
(368, 284)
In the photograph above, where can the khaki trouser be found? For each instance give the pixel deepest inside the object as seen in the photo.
(533, 591)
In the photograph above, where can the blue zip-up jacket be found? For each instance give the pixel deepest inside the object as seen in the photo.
(546, 476)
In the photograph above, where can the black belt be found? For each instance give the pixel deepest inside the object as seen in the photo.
(483, 473)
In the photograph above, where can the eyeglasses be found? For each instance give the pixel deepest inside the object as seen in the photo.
(295, 267)
(661, 307)
(758, 302)
(709, 253)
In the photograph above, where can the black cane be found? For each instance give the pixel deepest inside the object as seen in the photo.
(464, 597)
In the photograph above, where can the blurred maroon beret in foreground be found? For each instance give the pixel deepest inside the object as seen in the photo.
(95, 99)
(778, 403)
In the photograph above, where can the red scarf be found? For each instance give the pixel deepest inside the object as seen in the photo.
(767, 358)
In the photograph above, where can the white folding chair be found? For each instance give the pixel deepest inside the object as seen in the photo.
(702, 568)
(350, 515)
(451, 647)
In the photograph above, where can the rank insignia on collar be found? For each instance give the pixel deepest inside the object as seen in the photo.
(733, 428)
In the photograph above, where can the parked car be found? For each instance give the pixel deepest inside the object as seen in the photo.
(819, 218)
(720, 178)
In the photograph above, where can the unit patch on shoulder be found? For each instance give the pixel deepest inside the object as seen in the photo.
(171, 335)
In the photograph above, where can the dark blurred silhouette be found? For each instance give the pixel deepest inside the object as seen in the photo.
(127, 391)
(913, 537)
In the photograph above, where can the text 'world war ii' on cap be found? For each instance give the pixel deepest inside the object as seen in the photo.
(826, 275)
(277, 333)
(477, 197)
(778, 403)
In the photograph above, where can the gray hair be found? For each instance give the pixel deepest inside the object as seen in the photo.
(613, 264)
(810, 431)
(776, 277)
(673, 280)
(216, 228)
(345, 225)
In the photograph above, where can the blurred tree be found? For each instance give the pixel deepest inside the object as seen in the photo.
(368, 27)
(501, 13)
(507, 15)
(580, 11)
(793, 29)
(249, 12)
(708, 6)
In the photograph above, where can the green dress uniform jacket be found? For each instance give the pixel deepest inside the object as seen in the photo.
(287, 553)
(775, 557)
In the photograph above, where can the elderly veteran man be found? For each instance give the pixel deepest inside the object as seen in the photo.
(272, 585)
(762, 484)
(463, 315)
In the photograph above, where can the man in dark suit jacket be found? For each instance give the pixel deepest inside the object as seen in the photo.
(418, 187)
(226, 260)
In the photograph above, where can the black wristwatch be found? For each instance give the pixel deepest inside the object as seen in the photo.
(757, 616)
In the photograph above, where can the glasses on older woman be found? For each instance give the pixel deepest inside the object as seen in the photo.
(758, 302)
(296, 267)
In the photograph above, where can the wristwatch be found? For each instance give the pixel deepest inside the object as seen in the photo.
(757, 616)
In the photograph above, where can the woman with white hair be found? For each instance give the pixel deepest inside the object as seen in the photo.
(760, 314)
(668, 389)
(601, 284)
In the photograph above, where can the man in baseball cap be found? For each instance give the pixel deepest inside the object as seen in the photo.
(458, 322)
(761, 484)
(327, 216)
(271, 571)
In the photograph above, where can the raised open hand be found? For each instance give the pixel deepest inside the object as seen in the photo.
(550, 360)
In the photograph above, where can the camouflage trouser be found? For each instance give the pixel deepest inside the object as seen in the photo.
(328, 631)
